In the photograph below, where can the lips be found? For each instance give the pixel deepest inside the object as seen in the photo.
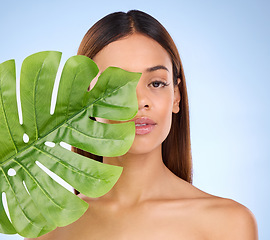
(144, 125)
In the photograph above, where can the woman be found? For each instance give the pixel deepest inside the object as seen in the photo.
(154, 197)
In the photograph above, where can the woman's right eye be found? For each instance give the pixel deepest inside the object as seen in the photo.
(158, 84)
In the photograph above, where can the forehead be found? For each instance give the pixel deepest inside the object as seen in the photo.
(133, 53)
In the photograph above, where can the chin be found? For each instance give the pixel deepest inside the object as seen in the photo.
(145, 144)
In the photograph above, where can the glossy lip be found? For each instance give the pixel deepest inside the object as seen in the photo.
(144, 125)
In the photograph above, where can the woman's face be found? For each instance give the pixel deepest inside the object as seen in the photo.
(157, 96)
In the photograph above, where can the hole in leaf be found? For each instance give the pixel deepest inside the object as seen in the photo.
(25, 138)
(25, 187)
(50, 144)
(93, 118)
(93, 82)
(65, 145)
(11, 172)
(18, 97)
(55, 177)
(55, 89)
(4, 200)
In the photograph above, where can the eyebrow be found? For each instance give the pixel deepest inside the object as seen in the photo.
(152, 69)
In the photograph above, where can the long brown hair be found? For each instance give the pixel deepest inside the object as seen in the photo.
(176, 150)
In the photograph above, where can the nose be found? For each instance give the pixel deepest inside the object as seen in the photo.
(144, 101)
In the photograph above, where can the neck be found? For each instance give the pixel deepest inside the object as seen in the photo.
(142, 178)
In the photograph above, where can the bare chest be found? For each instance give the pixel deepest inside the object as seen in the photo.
(138, 223)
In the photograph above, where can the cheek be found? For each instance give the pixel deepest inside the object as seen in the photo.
(163, 111)
(164, 105)
(165, 119)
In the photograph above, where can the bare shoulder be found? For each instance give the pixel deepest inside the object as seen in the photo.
(223, 219)
(216, 217)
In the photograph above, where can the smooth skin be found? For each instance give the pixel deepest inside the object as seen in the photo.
(149, 201)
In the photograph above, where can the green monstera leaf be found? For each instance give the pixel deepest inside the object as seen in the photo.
(36, 203)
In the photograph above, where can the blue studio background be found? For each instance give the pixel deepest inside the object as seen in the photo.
(225, 51)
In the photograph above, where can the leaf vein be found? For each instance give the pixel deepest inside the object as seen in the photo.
(34, 97)
(10, 185)
(5, 117)
(37, 183)
(65, 164)
(66, 115)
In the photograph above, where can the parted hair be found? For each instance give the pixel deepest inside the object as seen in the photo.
(176, 148)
